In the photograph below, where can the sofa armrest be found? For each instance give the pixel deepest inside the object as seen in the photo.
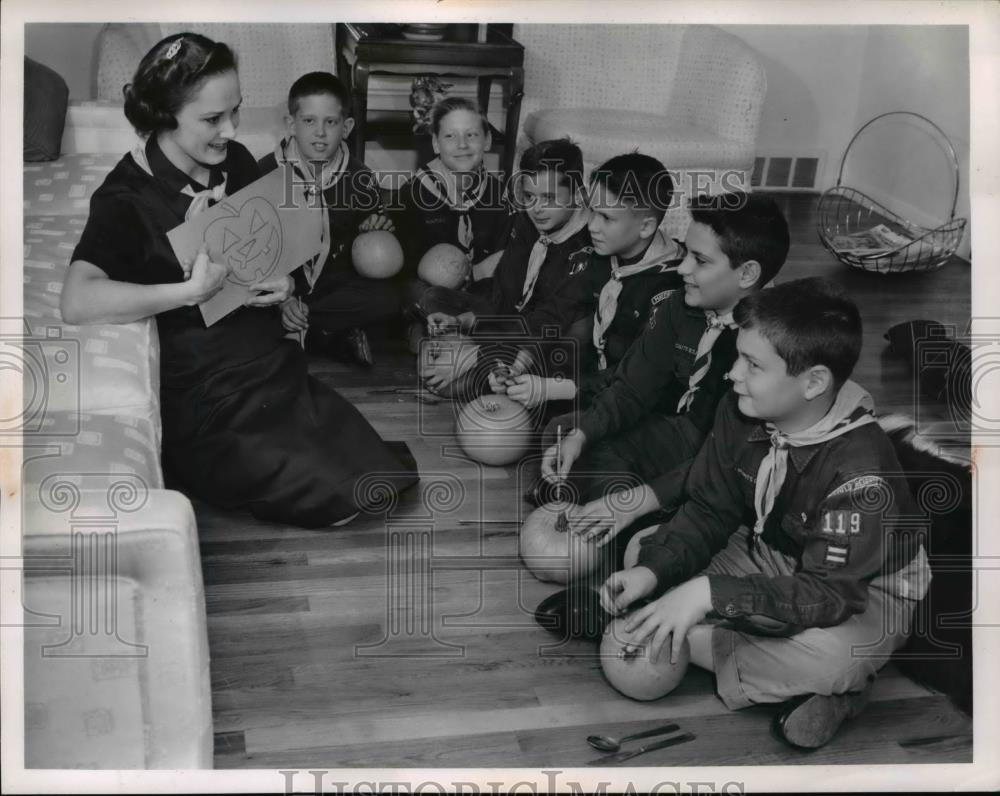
(132, 611)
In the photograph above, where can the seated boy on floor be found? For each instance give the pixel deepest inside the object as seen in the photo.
(650, 420)
(633, 269)
(788, 539)
(453, 200)
(538, 288)
(333, 303)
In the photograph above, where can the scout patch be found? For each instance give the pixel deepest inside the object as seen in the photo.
(841, 522)
(861, 482)
(652, 317)
(660, 297)
(836, 555)
(578, 260)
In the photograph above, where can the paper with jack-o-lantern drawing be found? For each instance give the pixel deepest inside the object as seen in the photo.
(264, 231)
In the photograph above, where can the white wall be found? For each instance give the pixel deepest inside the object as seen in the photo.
(825, 82)
(813, 88)
(924, 70)
(69, 49)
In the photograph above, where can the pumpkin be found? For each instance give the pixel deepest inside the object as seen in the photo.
(494, 429)
(446, 355)
(635, 675)
(550, 552)
(248, 240)
(377, 254)
(444, 265)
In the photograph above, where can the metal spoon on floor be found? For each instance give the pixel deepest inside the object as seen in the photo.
(605, 743)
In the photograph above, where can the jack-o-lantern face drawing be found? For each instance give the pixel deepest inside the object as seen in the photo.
(248, 241)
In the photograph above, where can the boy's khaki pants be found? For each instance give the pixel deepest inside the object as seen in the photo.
(752, 669)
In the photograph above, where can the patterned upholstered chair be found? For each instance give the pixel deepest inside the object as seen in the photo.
(690, 96)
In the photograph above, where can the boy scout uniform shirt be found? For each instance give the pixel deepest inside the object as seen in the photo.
(349, 201)
(560, 294)
(640, 294)
(653, 376)
(833, 515)
(423, 220)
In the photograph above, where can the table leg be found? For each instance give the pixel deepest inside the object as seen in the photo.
(359, 89)
(515, 84)
(485, 83)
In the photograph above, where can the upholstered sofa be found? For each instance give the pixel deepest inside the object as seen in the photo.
(689, 95)
(116, 648)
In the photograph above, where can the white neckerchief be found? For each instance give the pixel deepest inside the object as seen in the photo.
(287, 152)
(442, 182)
(660, 251)
(199, 199)
(715, 324)
(774, 467)
(540, 251)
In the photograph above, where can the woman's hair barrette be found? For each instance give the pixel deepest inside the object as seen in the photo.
(173, 49)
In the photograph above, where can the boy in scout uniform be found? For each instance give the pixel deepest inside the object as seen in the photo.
(785, 568)
(649, 420)
(631, 268)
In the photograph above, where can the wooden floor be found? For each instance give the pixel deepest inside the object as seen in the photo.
(407, 641)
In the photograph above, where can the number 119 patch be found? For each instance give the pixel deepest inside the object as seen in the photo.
(842, 522)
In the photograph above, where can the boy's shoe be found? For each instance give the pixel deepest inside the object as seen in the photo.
(357, 341)
(351, 347)
(574, 612)
(811, 721)
(414, 334)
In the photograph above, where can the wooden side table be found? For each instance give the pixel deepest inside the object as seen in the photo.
(365, 49)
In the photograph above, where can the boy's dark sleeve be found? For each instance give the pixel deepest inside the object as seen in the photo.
(843, 551)
(369, 197)
(668, 486)
(406, 219)
(507, 283)
(567, 304)
(683, 547)
(640, 378)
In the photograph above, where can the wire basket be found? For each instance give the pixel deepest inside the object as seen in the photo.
(865, 234)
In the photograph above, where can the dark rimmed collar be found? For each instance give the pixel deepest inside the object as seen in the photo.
(171, 176)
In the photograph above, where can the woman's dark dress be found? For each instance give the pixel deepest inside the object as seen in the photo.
(244, 425)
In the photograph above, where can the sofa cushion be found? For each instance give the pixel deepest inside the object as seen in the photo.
(105, 368)
(604, 133)
(92, 450)
(45, 98)
(63, 187)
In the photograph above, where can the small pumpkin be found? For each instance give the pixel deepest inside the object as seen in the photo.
(444, 265)
(494, 430)
(550, 552)
(635, 675)
(377, 254)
